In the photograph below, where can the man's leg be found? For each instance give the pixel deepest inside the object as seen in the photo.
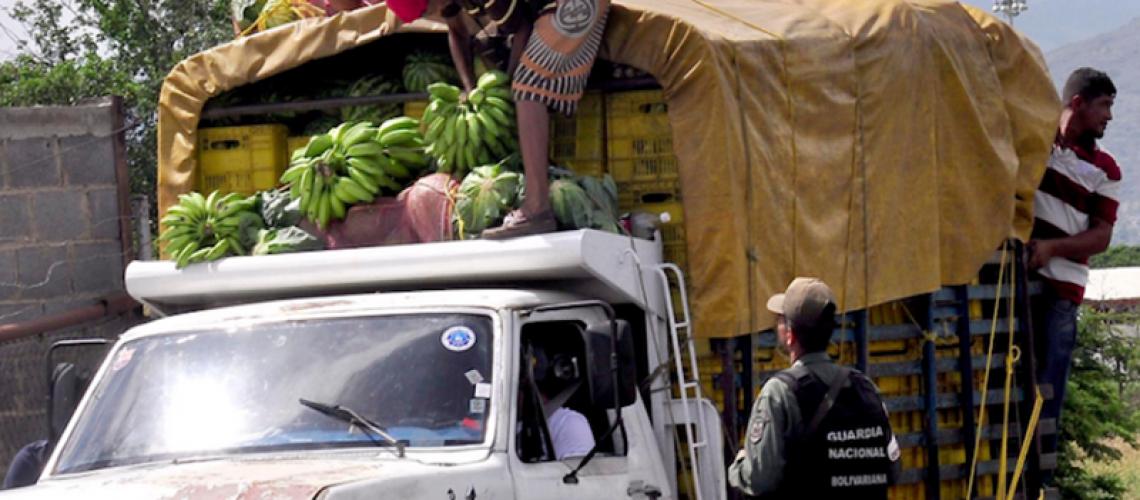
(534, 140)
(1056, 319)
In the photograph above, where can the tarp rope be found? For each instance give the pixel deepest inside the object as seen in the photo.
(986, 374)
(1013, 354)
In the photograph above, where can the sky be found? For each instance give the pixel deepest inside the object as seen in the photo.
(1051, 23)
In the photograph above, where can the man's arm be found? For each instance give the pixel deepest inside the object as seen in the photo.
(459, 40)
(759, 467)
(1077, 247)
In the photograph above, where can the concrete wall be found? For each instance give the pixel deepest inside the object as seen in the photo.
(63, 223)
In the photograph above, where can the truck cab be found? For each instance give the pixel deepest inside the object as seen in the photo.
(419, 371)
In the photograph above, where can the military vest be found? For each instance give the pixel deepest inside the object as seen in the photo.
(841, 450)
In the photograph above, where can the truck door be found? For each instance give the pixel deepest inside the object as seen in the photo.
(559, 420)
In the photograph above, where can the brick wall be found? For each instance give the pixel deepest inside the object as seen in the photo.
(63, 223)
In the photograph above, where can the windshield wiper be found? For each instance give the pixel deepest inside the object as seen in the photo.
(350, 416)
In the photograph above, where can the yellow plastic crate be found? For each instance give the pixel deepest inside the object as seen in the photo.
(296, 142)
(577, 141)
(241, 159)
(639, 140)
(415, 109)
(631, 194)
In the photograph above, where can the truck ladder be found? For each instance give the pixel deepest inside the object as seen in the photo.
(687, 384)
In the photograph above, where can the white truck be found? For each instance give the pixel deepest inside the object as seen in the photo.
(399, 372)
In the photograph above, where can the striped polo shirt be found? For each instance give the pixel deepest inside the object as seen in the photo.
(1078, 185)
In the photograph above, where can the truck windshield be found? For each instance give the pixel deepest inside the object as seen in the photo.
(425, 378)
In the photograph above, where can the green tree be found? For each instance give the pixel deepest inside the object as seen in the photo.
(1098, 406)
(1117, 256)
(81, 49)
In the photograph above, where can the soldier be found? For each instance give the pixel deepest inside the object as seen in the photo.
(818, 430)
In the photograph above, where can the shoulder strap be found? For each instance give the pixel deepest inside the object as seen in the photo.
(836, 385)
(792, 376)
(553, 404)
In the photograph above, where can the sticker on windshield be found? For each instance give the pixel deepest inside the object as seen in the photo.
(458, 338)
(473, 376)
(483, 390)
(477, 406)
(123, 359)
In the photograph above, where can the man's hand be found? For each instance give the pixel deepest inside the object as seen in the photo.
(1040, 251)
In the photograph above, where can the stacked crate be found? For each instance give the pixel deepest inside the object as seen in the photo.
(897, 334)
(578, 142)
(241, 159)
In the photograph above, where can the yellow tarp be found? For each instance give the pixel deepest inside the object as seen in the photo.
(886, 146)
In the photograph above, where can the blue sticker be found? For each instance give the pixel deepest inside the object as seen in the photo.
(458, 338)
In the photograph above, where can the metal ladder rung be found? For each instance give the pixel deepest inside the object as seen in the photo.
(687, 385)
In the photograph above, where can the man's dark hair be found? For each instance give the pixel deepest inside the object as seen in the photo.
(1089, 84)
(814, 338)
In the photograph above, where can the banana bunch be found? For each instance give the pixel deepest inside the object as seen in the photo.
(260, 15)
(585, 203)
(479, 131)
(375, 113)
(204, 228)
(351, 164)
(424, 68)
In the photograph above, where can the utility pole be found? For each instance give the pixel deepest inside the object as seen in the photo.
(1011, 8)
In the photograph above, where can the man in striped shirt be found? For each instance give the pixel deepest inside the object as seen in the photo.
(1075, 209)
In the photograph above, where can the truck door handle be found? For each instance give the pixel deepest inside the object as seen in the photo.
(640, 488)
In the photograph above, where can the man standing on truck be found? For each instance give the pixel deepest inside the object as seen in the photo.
(818, 430)
(553, 44)
(1075, 209)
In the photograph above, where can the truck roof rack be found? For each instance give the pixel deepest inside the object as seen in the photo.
(593, 263)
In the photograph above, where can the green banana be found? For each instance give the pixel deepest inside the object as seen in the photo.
(398, 137)
(461, 128)
(499, 116)
(412, 157)
(489, 124)
(371, 166)
(370, 148)
(364, 180)
(318, 144)
(324, 210)
(493, 78)
(396, 169)
(355, 189)
(293, 173)
(503, 93)
(443, 91)
(357, 135)
(218, 250)
(474, 136)
(337, 208)
(401, 123)
(434, 130)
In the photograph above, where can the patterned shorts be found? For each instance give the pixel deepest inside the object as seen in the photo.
(560, 54)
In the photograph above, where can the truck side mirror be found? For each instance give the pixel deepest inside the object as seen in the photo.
(609, 356)
(627, 364)
(66, 389)
(65, 384)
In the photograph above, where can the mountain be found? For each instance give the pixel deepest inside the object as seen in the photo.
(1117, 53)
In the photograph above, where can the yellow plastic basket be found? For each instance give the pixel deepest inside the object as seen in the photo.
(578, 142)
(241, 159)
(639, 140)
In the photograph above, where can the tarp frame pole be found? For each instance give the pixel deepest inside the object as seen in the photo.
(930, 403)
(966, 373)
(1028, 366)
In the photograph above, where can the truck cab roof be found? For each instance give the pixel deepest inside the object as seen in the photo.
(353, 305)
(594, 264)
